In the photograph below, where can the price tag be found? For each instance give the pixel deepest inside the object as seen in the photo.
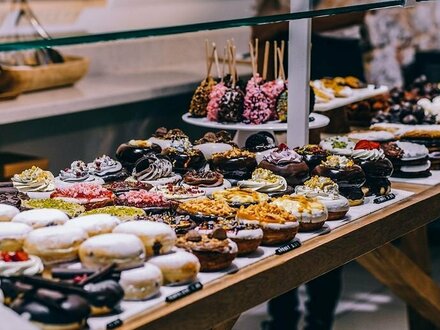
(287, 248)
(185, 292)
(383, 199)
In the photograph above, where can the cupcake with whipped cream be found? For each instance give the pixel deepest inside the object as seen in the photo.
(376, 166)
(107, 169)
(287, 163)
(78, 172)
(327, 192)
(155, 170)
(338, 145)
(34, 182)
(267, 182)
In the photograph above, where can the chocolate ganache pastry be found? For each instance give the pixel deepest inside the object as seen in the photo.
(9, 195)
(234, 164)
(288, 164)
(377, 168)
(260, 141)
(129, 153)
(203, 178)
(183, 156)
(107, 169)
(312, 154)
(179, 222)
(122, 186)
(153, 168)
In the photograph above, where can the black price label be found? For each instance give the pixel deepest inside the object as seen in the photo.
(383, 199)
(185, 292)
(114, 324)
(288, 247)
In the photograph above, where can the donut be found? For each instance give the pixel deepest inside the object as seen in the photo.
(55, 244)
(12, 236)
(141, 283)
(124, 250)
(177, 268)
(158, 238)
(39, 218)
(7, 212)
(96, 224)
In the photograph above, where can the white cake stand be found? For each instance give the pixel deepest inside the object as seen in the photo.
(243, 131)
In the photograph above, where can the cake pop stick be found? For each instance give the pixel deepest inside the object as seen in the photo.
(217, 66)
(266, 59)
(275, 59)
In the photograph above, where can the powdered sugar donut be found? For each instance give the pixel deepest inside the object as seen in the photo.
(95, 224)
(7, 212)
(39, 218)
(141, 283)
(12, 236)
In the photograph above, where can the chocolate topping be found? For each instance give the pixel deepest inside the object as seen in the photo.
(218, 233)
(193, 236)
(392, 150)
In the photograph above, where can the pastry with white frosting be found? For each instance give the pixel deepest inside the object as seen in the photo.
(39, 218)
(141, 283)
(95, 224)
(7, 212)
(12, 235)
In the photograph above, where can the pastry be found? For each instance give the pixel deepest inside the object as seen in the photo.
(434, 158)
(338, 145)
(214, 251)
(309, 211)
(71, 209)
(288, 164)
(94, 224)
(256, 103)
(210, 148)
(123, 186)
(410, 160)
(89, 195)
(124, 250)
(158, 238)
(7, 212)
(376, 166)
(178, 267)
(378, 136)
(55, 244)
(146, 200)
(326, 192)
(154, 170)
(278, 225)
(39, 218)
(180, 192)
(205, 179)
(19, 263)
(34, 182)
(129, 153)
(215, 97)
(163, 136)
(206, 209)
(349, 177)
(78, 172)
(107, 169)
(261, 143)
(282, 106)
(234, 164)
(200, 99)
(247, 236)
(220, 137)
(312, 154)
(12, 236)
(428, 136)
(272, 90)
(183, 156)
(123, 213)
(237, 197)
(181, 224)
(141, 283)
(265, 181)
(10, 196)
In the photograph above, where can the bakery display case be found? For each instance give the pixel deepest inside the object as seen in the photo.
(170, 230)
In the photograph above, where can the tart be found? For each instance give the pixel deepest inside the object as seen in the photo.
(237, 197)
(180, 192)
(312, 154)
(206, 180)
(278, 225)
(203, 209)
(154, 170)
(234, 164)
(327, 192)
(129, 153)
(215, 251)
(124, 213)
(34, 182)
(183, 156)
(71, 209)
(11, 196)
(107, 169)
(288, 164)
(89, 195)
(265, 181)
(77, 172)
(247, 236)
(309, 211)
(349, 177)
(338, 145)
(146, 200)
(179, 222)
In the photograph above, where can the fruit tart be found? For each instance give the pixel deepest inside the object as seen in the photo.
(129, 153)
(234, 164)
(237, 197)
(89, 195)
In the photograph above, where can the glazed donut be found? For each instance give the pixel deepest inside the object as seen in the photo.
(39, 218)
(55, 244)
(95, 224)
(7, 212)
(141, 283)
(124, 250)
(12, 236)
(177, 268)
(158, 238)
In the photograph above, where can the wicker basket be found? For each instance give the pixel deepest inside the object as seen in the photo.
(15, 80)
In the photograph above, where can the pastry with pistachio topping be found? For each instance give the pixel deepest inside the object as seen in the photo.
(338, 145)
(124, 213)
(71, 209)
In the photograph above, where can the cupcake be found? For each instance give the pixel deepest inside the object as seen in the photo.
(288, 164)
(77, 173)
(234, 164)
(155, 170)
(377, 168)
(89, 195)
(107, 169)
(183, 156)
(349, 177)
(146, 200)
(261, 143)
(327, 192)
(215, 251)
(129, 153)
(338, 145)
(265, 181)
(312, 154)
(34, 182)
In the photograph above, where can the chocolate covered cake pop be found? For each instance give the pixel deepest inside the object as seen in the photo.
(200, 99)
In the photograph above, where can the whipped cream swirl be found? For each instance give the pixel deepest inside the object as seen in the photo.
(283, 157)
(264, 181)
(152, 168)
(78, 172)
(34, 180)
(29, 267)
(104, 165)
(365, 154)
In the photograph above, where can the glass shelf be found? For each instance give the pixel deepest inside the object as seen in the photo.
(109, 20)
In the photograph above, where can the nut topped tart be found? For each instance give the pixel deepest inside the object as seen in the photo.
(237, 197)
(349, 177)
(278, 225)
(215, 251)
(203, 209)
(312, 154)
(179, 192)
(327, 192)
(247, 236)
(155, 170)
(309, 211)
(129, 153)
(71, 209)
(89, 195)
(107, 169)
(338, 145)
(76, 173)
(265, 181)
(148, 200)
(124, 213)
(183, 156)
(34, 182)
(234, 164)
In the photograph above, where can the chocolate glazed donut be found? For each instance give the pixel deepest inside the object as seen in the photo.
(239, 168)
(294, 173)
(128, 154)
(349, 177)
(381, 168)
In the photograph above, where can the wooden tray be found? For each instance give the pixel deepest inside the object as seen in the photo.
(15, 80)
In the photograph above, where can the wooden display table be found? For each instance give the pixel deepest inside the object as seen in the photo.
(367, 239)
